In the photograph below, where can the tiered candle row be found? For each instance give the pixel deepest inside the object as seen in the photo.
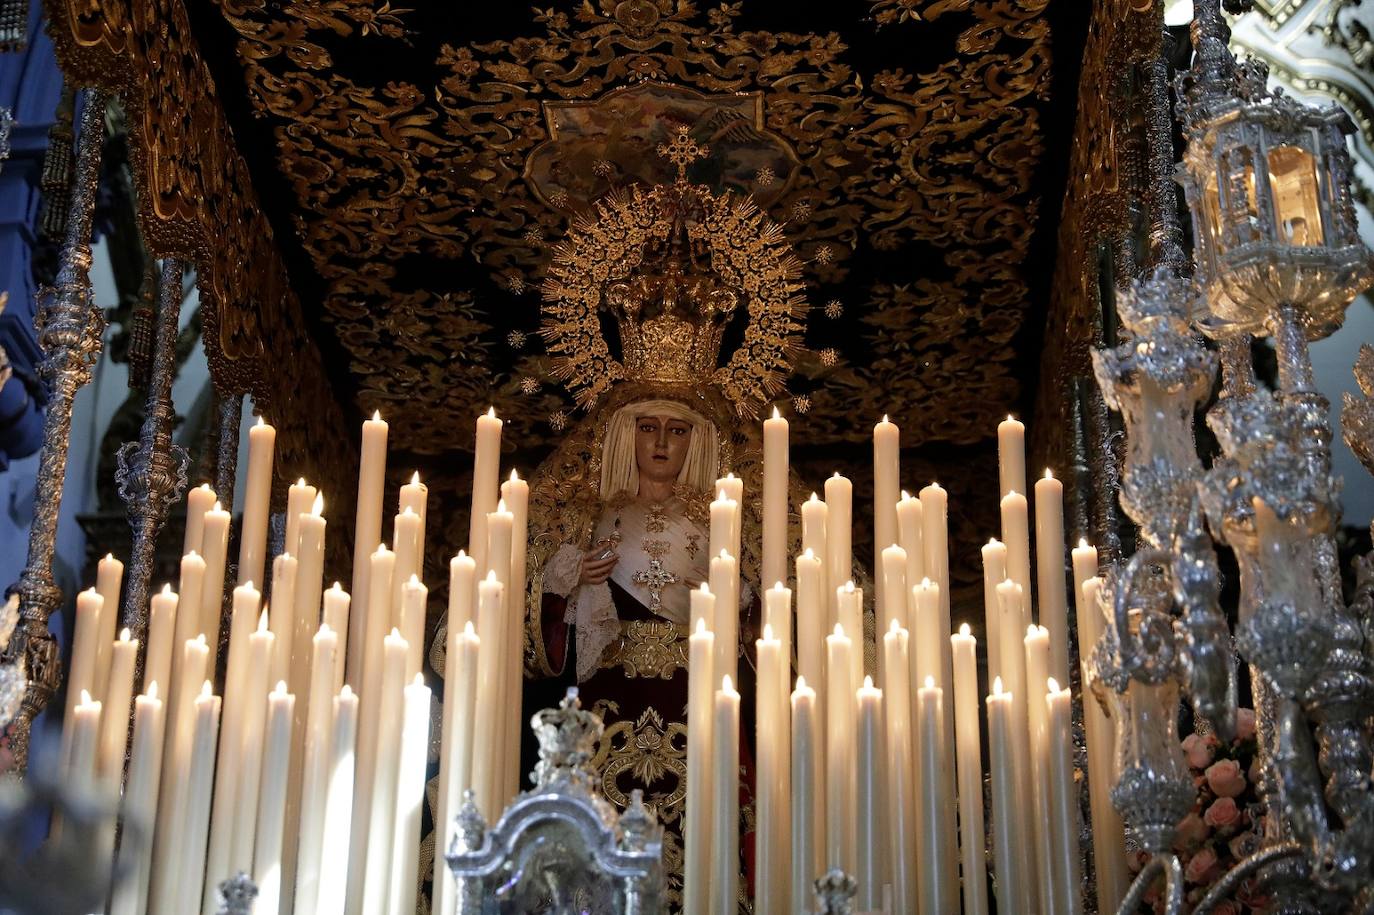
(880, 774)
(315, 788)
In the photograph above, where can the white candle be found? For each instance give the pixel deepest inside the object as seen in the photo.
(886, 490)
(1113, 879)
(324, 659)
(338, 816)
(282, 617)
(811, 628)
(455, 756)
(722, 523)
(109, 578)
(309, 590)
(382, 562)
(1063, 799)
(1015, 532)
(415, 496)
(1011, 456)
(925, 628)
(733, 487)
(901, 785)
(911, 536)
(839, 550)
(850, 615)
(89, 606)
(337, 608)
(114, 726)
(198, 502)
(162, 620)
(814, 514)
(700, 790)
(260, 651)
(276, 763)
(486, 469)
(246, 613)
(969, 761)
(257, 494)
(725, 818)
(411, 623)
(1049, 564)
(201, 777)
(84, 743)
(702, 608)
(868, 790)
(300, 495)
(775, 464)
(994, 573)
(1037, 647)
(462, 591)
(367, 531)
(138, 809)
(935, 518)
(215, 543)
(410, 798)
(500, 542)
(170, 835)
(311, 531)
(777, 613)
(1009, 597)
(724, 575)
(937, 894)
(839, 752)
(1084, 567)
(189, 620)
(772, 853)
(485, 778)
(1012, 890)
(515, 492)
(892, 598)
(807, 804)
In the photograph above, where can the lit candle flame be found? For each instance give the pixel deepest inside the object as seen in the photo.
(930, 682)
(767, 631)
(868, 682)
(317, 508)
(376, 416)
(151, 691)
(415, 478)
(124, 634)
(1052, 684)
(964, 630)
(776, 415)
(997, 686)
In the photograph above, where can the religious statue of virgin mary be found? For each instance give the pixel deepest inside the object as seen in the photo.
(619, 512)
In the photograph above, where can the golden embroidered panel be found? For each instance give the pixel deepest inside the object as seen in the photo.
(424, 164)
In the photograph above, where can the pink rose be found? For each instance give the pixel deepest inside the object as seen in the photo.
(1198, 751)
(1201, 866)
(1225, 778)
(1245, 724)
(1222, 813)
(1191, 831)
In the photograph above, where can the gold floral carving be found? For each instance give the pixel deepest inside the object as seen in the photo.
(196, 202)
(943, 159)
(648, 648)
(1107, 178)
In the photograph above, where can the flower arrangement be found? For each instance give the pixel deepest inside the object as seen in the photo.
(1225, 824)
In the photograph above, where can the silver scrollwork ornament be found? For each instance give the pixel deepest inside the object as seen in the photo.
(559, 848)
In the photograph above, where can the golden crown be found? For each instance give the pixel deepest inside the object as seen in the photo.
(671, 264)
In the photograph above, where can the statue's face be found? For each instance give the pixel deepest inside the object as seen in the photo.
(661, 447)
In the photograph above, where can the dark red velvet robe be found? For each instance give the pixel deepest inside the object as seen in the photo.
(645, 744)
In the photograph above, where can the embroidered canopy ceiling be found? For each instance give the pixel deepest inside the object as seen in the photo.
(373, 191)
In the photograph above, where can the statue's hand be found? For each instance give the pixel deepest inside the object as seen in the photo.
(597, 566)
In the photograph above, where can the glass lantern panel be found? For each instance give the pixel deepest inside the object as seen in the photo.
(1296, 194)
(1241, 201)
(1211, 201)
